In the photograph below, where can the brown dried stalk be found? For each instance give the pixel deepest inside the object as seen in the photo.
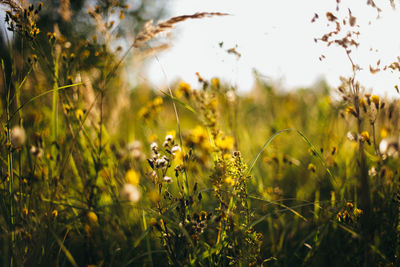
(13, 5)
(149, 30)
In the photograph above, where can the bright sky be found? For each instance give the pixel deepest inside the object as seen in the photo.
(277, 39)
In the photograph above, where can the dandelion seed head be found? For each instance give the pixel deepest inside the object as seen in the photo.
(389, 146)
(135, 149)
(131, 193)
(231, 96)
(17, 136)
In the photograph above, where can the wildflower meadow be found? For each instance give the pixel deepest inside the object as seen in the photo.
(99, 171)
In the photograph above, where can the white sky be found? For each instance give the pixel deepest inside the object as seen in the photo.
(276, 37)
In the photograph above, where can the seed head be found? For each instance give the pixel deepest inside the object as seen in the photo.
(131, 193)
(17, 136)
(167, 179)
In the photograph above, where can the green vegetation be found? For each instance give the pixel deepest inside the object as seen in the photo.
(94, 173)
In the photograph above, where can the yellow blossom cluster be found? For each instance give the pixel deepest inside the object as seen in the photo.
(151, 109)
(183, 89)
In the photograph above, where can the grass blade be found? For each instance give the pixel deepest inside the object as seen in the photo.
(65, 250)
(40, 95)
(173, 98)
(253, 163)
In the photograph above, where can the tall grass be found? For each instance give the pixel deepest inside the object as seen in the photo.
(94, 174)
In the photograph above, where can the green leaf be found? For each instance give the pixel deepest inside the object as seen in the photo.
(173, 98)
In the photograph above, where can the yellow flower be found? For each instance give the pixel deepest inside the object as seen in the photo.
(351, 110)
(357, 212)
(158, 101)
(132, 177)
(225, 143)
(375, 99)
(153, 137)
(384, 132)
(66, 108)
(363, 104)
(230, 181)
(79, 114)
(227, 156)
(92, 218)
(364, 136)
(183, 90)
(311, 167)
(178, 157)
(54, 213)
(25, 211)
(198, 135)
(215, 82)
(213, 102)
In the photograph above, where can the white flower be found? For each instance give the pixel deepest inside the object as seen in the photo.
(135, 149)
(36, 151)
(175, 149)
(372, 171)
(153, 146)
(230, 95)
(169, 138)
(351, 136)
(389, 146)
(162, 162)
(17, 136)
(131, 193)
(167, 179)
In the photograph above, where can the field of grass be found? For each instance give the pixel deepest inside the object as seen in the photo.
(96, 173)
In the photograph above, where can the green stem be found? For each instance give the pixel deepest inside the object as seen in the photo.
(10, 170)
(148, 245)
(54, 120)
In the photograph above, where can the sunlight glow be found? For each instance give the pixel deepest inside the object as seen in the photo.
(276, 38)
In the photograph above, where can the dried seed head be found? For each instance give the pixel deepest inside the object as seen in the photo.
(17, 136)
(131, 193)
(36, 151)
(154, 147)
(351, 136)
(389, 146)
(167, 179)
(175, 148)
(169, 138)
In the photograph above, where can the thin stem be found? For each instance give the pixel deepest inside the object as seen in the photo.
(10, 170)
(54, 123)
(186, 184)
(148, 245)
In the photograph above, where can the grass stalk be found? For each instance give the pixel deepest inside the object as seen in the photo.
(54, 111)
(148, 245)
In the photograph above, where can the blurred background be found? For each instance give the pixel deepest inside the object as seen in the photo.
(276, 39)
(273, 40)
